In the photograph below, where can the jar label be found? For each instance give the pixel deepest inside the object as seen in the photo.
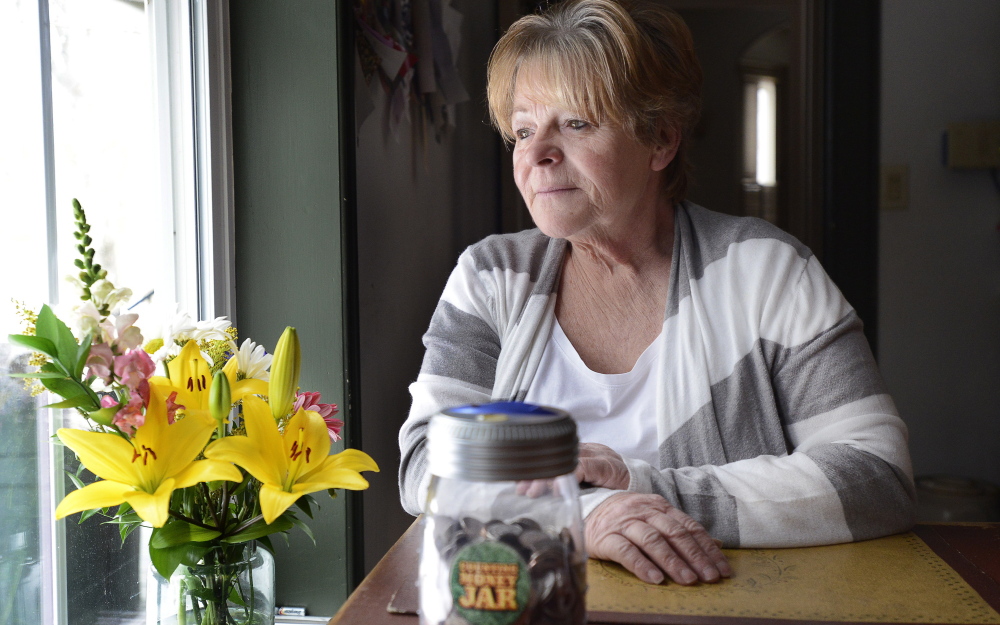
(490, 584)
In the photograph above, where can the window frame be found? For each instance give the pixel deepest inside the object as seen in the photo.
(191, 66)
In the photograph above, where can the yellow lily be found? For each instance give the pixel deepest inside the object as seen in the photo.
(145, 470)
(191, 378)
(292, 464)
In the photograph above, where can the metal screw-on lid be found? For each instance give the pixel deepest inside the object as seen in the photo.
(501, 441)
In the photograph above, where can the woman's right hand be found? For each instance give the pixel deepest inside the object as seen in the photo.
(650, 538)
(599, 465)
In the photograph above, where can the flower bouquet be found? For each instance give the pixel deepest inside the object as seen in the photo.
(206, 441)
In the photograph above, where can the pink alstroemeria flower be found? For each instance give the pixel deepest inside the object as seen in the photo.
(100, 362)
(134, 367)
(310, 401)
(131, 415)
(118, 330)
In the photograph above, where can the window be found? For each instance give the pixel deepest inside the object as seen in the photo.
(764, 66)
(112, 105)
(760, 146)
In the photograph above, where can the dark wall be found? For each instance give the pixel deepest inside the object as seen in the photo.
(721, 37)
(418, 206)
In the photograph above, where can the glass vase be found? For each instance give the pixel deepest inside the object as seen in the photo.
(231, 586)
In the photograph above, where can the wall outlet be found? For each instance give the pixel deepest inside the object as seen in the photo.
(894, 187)
(973, 145)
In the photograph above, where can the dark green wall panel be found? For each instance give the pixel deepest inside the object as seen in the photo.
(288, 234)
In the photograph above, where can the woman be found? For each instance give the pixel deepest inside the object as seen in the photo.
(727, 378)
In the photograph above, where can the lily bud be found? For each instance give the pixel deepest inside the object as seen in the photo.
(220, 398)
(285, 368)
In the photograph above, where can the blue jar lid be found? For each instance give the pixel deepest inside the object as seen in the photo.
(503, 407)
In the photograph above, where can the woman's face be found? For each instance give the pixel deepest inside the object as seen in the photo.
(580, 180)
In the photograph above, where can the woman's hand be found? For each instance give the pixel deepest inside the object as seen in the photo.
(599, 465)
(650, 538)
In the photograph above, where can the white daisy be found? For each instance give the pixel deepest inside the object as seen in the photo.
(177, 328)
(210, 330)
(252, 361)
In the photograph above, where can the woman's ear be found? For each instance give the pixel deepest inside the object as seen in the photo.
(668, 140)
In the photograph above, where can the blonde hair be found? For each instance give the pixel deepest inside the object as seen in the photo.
(627, 62)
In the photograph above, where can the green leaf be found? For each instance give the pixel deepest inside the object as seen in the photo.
(305, 528)
(258, 529)
(79, 401)
(46, 326)
(235, 597)
(304, 503)
(265, 542)
(130, 517)
(127, 528)
(39, 375)
(72, 389)
(203, 593)
(167, 559)
(36, 344)
(86, 514)
(64, 387)
(75, 479)
(177, 532)
(51, 327)
(193, 581)
(125, 516)
(242, 486)
(82, 353)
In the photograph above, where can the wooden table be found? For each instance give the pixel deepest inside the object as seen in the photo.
(962, 559)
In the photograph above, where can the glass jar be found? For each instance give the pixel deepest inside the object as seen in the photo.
(233, 585)
(502, 535)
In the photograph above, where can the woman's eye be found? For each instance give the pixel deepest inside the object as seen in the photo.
(523, 133)
(577, 124)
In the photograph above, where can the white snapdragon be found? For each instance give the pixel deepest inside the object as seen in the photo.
(104, 293)
(84, 319)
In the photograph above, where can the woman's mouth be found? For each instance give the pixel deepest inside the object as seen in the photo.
(553, 190)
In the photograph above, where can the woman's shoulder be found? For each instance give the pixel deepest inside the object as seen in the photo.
(519, 252)
(714, 232)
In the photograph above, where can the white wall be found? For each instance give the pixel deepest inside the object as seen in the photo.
(939, 272)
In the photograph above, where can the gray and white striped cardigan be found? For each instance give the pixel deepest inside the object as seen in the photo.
(774, 426)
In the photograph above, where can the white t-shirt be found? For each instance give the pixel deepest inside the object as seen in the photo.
(614, 409)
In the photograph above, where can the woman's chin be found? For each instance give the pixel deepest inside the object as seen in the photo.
(555, 228)
(558, 222)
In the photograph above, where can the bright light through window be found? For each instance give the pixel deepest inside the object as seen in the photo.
(104, 126)
(95, 81)
(767, 121)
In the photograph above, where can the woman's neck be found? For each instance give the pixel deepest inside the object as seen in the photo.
(631, 247)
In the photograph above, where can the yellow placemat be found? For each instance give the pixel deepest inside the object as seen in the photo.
(897, 579)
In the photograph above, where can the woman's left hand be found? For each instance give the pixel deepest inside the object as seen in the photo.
(599, 465)
(651, 538)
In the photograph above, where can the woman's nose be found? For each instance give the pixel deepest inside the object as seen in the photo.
(544, 150)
